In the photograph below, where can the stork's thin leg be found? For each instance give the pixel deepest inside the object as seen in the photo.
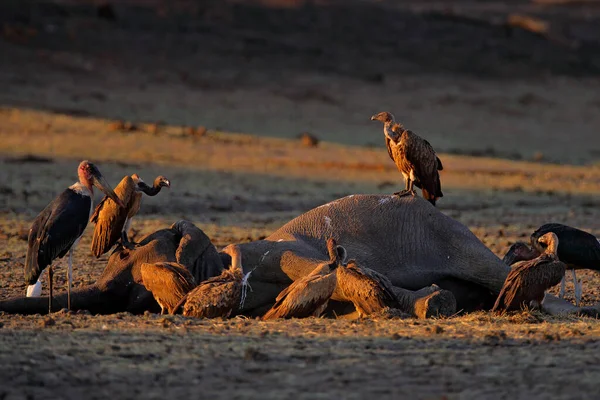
(50, 289)
(578, 289)
(561, 294)
(70, 278)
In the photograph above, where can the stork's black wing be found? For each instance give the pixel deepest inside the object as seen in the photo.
(55, 230)
(575, 247)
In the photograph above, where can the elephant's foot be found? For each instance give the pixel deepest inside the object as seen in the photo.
(441, 303)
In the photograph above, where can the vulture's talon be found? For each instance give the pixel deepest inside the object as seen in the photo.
(405, 192)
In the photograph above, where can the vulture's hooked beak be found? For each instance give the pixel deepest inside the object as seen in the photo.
(101, 184)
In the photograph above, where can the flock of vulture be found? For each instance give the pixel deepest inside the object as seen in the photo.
(58, 228)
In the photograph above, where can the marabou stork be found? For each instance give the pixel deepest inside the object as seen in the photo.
(528, 280)
(113, 222)
(414, 157)
(57, 229)
(578, 249)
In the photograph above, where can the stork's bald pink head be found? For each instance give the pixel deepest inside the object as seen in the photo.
(89, 175)
(86, 173)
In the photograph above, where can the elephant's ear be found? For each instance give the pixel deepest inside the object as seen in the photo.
(196, 251)
(341, 253)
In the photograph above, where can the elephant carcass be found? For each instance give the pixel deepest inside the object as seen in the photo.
(120, 287)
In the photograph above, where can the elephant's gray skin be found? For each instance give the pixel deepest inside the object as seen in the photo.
(405, 238)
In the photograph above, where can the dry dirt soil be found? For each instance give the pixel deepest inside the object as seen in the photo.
(513, 112)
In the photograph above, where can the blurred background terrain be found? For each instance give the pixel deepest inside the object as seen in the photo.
(214, 95)
(512, 79)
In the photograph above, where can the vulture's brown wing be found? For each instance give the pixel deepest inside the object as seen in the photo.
(168, 282)
(388, 145)
(110, 218)
(384, 283)
(303, 297)
(440, 167)
(528, 280)
(509, 290)
(367, 289)
(215, 297)
(422, 156)
(98, 209)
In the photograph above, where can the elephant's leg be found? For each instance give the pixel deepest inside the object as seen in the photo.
(141, 300)
(260, 298)
(91, 298)
(276, 264)
(469, 296)
(273, 267)
(431, 301)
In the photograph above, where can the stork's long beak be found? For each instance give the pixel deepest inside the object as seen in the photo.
(101, 184)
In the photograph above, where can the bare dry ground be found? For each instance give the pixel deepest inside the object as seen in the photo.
(465, 76)
(240, 188)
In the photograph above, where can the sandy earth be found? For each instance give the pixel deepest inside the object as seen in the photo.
(67, 74)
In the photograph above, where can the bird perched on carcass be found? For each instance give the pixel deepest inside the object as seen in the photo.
(169, 282)
(528, 280)
(414, 157)
(221, 295)
(112, 222)
(308, 296)
(58, 228)
(369, 291)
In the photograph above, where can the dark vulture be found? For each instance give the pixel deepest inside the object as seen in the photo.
(169, 282)
(520, 251)
(527, 281)
(221, 295)
(308, 296)
(58, 228)
(369, 291)
(112, 222)
(578, 249)
(414, 157)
